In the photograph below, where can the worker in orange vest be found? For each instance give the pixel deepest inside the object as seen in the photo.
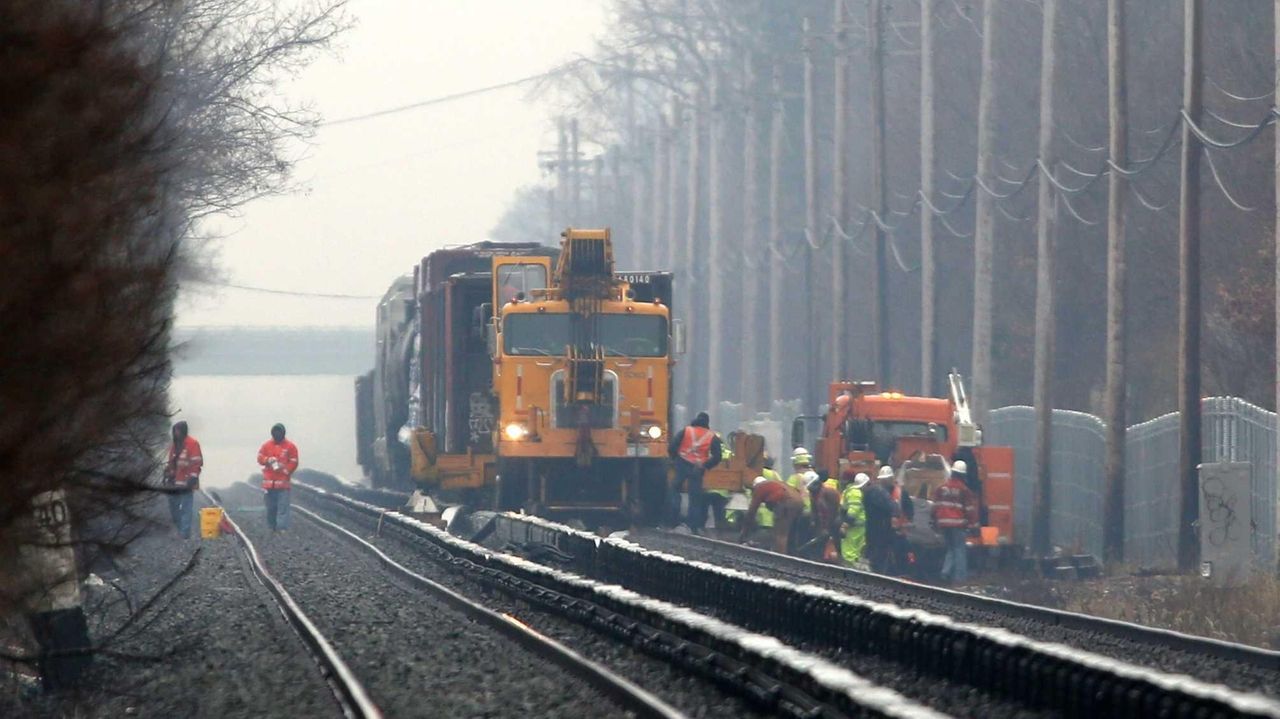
(955, 511)
(783, 501)
(182, 476)
(694, 449)
(279, 459)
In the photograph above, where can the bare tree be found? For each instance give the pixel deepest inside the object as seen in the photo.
(124, 124)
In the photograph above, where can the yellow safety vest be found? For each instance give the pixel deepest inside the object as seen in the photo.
(855, 538)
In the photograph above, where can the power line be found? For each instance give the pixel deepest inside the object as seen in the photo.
(287, 293)
(449, 98)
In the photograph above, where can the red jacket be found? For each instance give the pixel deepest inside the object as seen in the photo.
(954, 506)
(286, 456)
(826, 510)
(183, 470)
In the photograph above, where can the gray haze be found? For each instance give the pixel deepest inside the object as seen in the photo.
(378, 195)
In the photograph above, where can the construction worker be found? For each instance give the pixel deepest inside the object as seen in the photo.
(955, 511)
(718, 499)
(765, 517)
(781, 499)
(825, 501)
(801, 463)
(694, 449)
(279, 459)
(853, 528)
(880, 512)
(182, 476)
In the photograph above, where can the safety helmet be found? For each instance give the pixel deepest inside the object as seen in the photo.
(886, 472)
(758, 481)
(801, 457)
(959, 468)
(861, 480)
(811, 479)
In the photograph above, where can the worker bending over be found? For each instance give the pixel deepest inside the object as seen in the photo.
(782, 500)
(825, 501)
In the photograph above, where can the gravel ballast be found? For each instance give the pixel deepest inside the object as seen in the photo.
(687, 693)
(214, 645)
(416, 656)
(1236, 675)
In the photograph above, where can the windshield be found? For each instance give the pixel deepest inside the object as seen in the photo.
(535, 334)
(620, 335)
(632, 335)
(909, 429)
(519, 279)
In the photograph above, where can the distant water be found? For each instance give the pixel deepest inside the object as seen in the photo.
(232, 415)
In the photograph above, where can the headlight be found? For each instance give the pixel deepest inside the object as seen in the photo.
(654, 432)
(516, 432)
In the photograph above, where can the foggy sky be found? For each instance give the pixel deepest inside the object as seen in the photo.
(378, 195)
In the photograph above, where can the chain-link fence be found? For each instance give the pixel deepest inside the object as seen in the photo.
(1234, 431)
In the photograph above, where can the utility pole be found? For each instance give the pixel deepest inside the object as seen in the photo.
(1117, 339)
(641, 246)
(879, 193)
(694, 318)
(839, 198)
(675, 245)
(1276, 378)
(984, 223)
(757, 302)
(575, 169)
(777, 134)
(928, 257)
(658, 196)
(716, 341)
(1189, 297)
(562, 174)
(813, 346)
(1046, 318)
(597, 191)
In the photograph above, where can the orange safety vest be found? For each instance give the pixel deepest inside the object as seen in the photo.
(900, 520)
(286, 455)
(695, 448)
(952, 505)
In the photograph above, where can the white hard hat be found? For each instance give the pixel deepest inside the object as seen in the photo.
(886, 472)
(759, 481)
(959, 468)
(799, 451)
(861, 480)
(811, 479)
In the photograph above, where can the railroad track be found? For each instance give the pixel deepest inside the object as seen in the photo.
(351, 695)
(1011, 669)
(1258, 667)
(769, 675)
(421, 615)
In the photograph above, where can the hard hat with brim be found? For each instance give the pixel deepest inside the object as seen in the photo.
(886, 472)
(861, 480)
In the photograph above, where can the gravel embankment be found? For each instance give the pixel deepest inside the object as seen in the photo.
(1239, 676)
(213, 645)
(687, 693)
(415, 655)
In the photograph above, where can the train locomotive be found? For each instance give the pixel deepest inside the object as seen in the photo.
(518, 376)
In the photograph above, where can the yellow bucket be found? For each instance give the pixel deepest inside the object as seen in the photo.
(210, 522)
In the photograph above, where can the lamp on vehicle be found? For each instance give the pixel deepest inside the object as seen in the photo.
(516, 432)
(654, 431)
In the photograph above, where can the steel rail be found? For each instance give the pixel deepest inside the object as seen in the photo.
(757, 667)
(1039, 673)
(628, 695)
(1167, 638)
(350, 694)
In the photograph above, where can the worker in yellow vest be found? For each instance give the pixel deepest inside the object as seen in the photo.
(853, 528)
(802, 464)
